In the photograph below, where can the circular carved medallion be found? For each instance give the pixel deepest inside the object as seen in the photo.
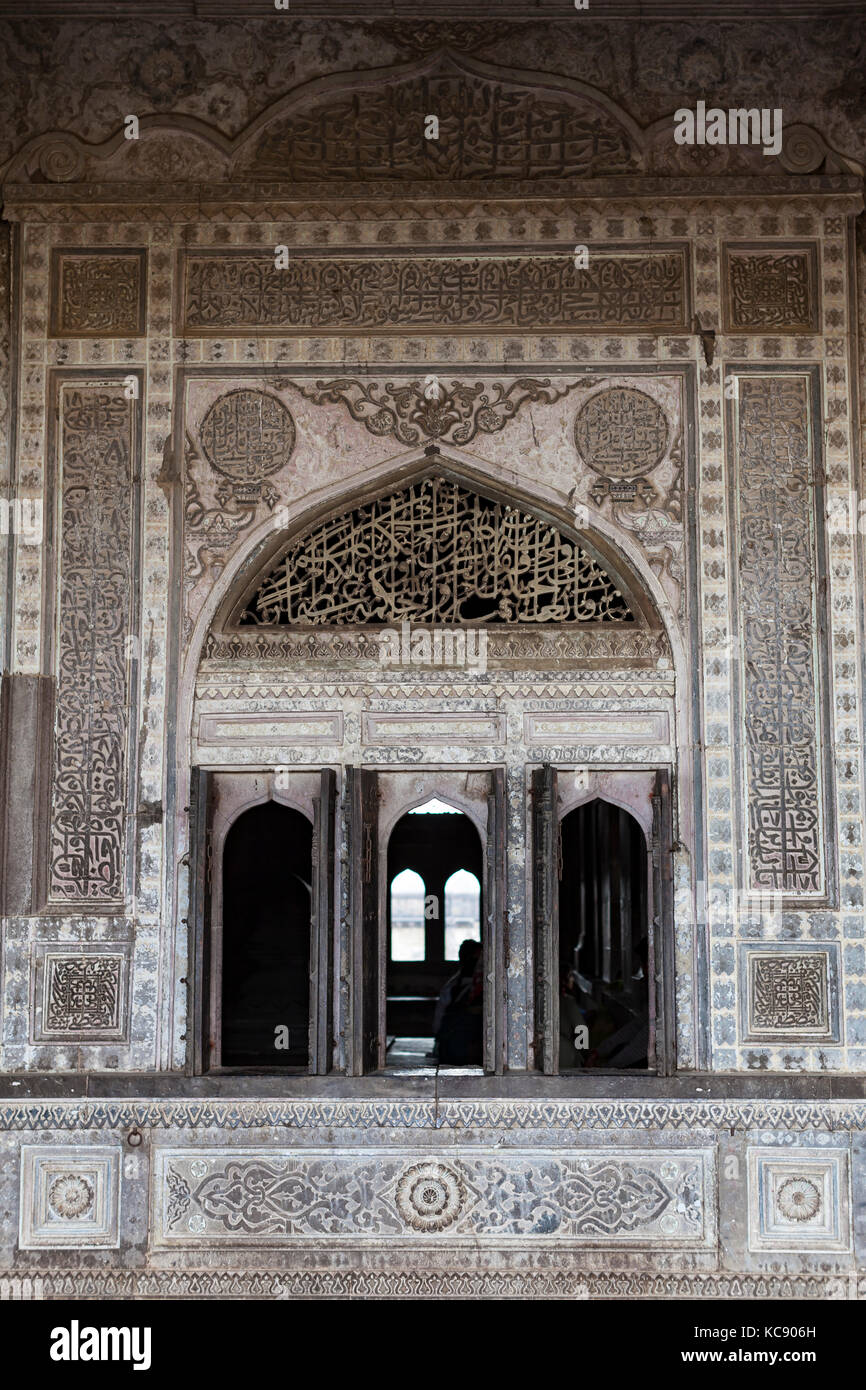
(430, 1196)
(798, 1199)
(621, 433)
(70, 1196)
(247, 434)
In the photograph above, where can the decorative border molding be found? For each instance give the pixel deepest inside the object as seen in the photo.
(401, 1113)
(562, 1282)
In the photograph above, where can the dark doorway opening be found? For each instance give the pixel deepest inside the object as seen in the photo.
(267, 875)
(434, 993)
(605, 991)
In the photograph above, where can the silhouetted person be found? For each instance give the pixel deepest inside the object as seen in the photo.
(571, 1017)
(458, 1022)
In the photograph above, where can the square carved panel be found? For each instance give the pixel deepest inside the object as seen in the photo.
(80, 993)
(799, 1200)
(789, 992)
(98, 294)
(69, 1197)
(770, 289)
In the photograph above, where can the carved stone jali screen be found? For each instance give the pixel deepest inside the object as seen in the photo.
(436, 553)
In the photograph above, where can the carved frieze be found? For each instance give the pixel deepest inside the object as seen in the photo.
(459, 292)
(770, 289)
(98, 428)
(514, 650)
(619, 1197)
(436, 553)
(777, 603)
(98, 294)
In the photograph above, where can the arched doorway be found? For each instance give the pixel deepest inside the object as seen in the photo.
(265, 969)
(604, 940)
(434, 904)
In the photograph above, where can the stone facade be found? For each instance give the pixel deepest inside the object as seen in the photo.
(241, 330)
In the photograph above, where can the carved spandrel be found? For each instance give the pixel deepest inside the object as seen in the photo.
(466, 293)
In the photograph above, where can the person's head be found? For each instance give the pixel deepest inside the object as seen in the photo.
(567, 978)
(468, 955)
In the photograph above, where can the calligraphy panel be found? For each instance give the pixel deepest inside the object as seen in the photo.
(770, 289)
(774, 502)
(98, 294)
(436, 553)
(462, 292)
(487, 129)
(98, 431)
(789, 992)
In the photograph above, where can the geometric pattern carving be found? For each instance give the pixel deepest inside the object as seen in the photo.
(245, 436)
(80, 993)
(593, 1197)
(770, 290)
(777, 568)
(431, 410)
(436, 553)
(70, 1197)
(790, 992)
(88, 802)
(98, 294)
(621, 433)
(487, 129)
(245, 292)
(799, 1201)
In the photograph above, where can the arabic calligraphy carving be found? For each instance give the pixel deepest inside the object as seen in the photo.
(440, 294)
(778, 621)
(98, 295)
(436, 553)
(771, 290)
(88, 798)
(789, 992)
(487, 129)
(245, 436)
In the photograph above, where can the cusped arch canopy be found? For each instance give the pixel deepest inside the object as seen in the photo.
(439, 550)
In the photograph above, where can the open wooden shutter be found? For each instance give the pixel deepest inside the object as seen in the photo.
(199, 1029)
(322, 928)
(545, 873)
(495, 944)
(661, 959)
(367, 1052)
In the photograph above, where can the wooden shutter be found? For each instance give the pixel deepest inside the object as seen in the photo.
(662, 1002)
(545, 874)
(201, 1042)
(495, 945)
(322, 928)
(367, 1052)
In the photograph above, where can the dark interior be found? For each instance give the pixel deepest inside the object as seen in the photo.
(433, 845)
(603, 924)
(267, 872)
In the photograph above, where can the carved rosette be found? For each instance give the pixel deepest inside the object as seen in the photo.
(430, 1196)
